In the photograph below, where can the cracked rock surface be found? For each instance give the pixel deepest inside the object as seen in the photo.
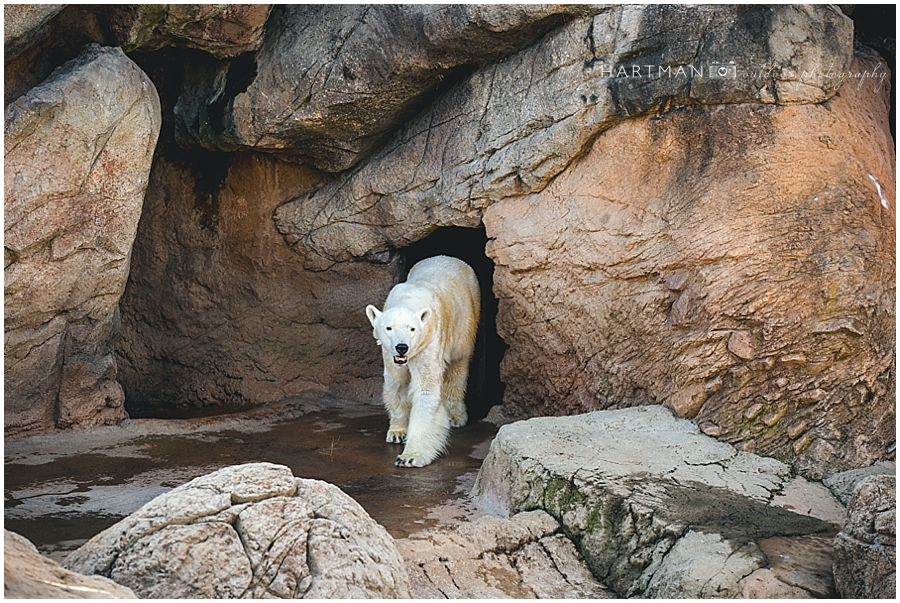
(865, 551)
(657, 508)
(252, 531)
(77, 154)
(332, 81)
(511, 127)
(524, 556)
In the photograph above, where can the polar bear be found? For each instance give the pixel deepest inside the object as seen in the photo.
(427, 335)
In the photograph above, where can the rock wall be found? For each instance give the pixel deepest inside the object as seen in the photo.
(219, 312)
(735, 263)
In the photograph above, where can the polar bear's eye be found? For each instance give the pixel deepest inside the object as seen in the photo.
(412, 329)
(387, 328)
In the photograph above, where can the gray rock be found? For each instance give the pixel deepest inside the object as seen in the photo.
(844, 483)
(865, 551)
(331, 81)
(223, 30)
(21, 23)
(248, 531)
(510, 128)
(78, 149)
(523, 556)
(29, 575)
(657, 508)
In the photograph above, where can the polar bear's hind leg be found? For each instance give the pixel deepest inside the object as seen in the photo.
(454, 392)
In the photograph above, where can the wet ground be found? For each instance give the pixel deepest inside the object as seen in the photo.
(62, 489)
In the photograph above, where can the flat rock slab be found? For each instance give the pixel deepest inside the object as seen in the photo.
(524, 556)
(657, 508)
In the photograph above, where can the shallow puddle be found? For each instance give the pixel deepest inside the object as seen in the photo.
(60, 501)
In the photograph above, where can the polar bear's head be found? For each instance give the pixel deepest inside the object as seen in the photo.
(400, 331)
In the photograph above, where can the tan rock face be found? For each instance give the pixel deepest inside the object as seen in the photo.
(77, 157)
(219, 311)
(29, 575)
(735, 263)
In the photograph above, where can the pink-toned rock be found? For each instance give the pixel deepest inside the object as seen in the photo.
(219, 312)
(77, 156)
(775, 223)
(29, 575)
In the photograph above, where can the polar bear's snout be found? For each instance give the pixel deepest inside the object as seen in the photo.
(400, 357)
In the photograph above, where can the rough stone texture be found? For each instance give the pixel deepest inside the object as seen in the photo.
(248, 531)
(223, 30)
(865, 551)
(768, 320)
(798, 568)
(523, 556)
(656, 507)
(510, 128)
(77, 155)
(219, 312)
(844, 483)
(29, 575)
(21, 22)
(331, 81)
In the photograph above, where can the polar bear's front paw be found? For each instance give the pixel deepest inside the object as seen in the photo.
(396, 436)
(409, 460)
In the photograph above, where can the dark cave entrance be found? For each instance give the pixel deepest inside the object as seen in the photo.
(485, 387)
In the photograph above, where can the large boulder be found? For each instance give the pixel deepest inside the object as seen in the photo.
(248, 531)
(331, 81)
(524, 556)
(29, 575)
(865, 551)
(657, 508)
(78, 149)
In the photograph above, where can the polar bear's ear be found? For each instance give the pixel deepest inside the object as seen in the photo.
(424, 315)
(373, 313)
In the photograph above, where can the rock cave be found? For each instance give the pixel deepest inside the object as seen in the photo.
(201, 200)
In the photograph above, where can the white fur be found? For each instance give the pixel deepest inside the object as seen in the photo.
(434, 313)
